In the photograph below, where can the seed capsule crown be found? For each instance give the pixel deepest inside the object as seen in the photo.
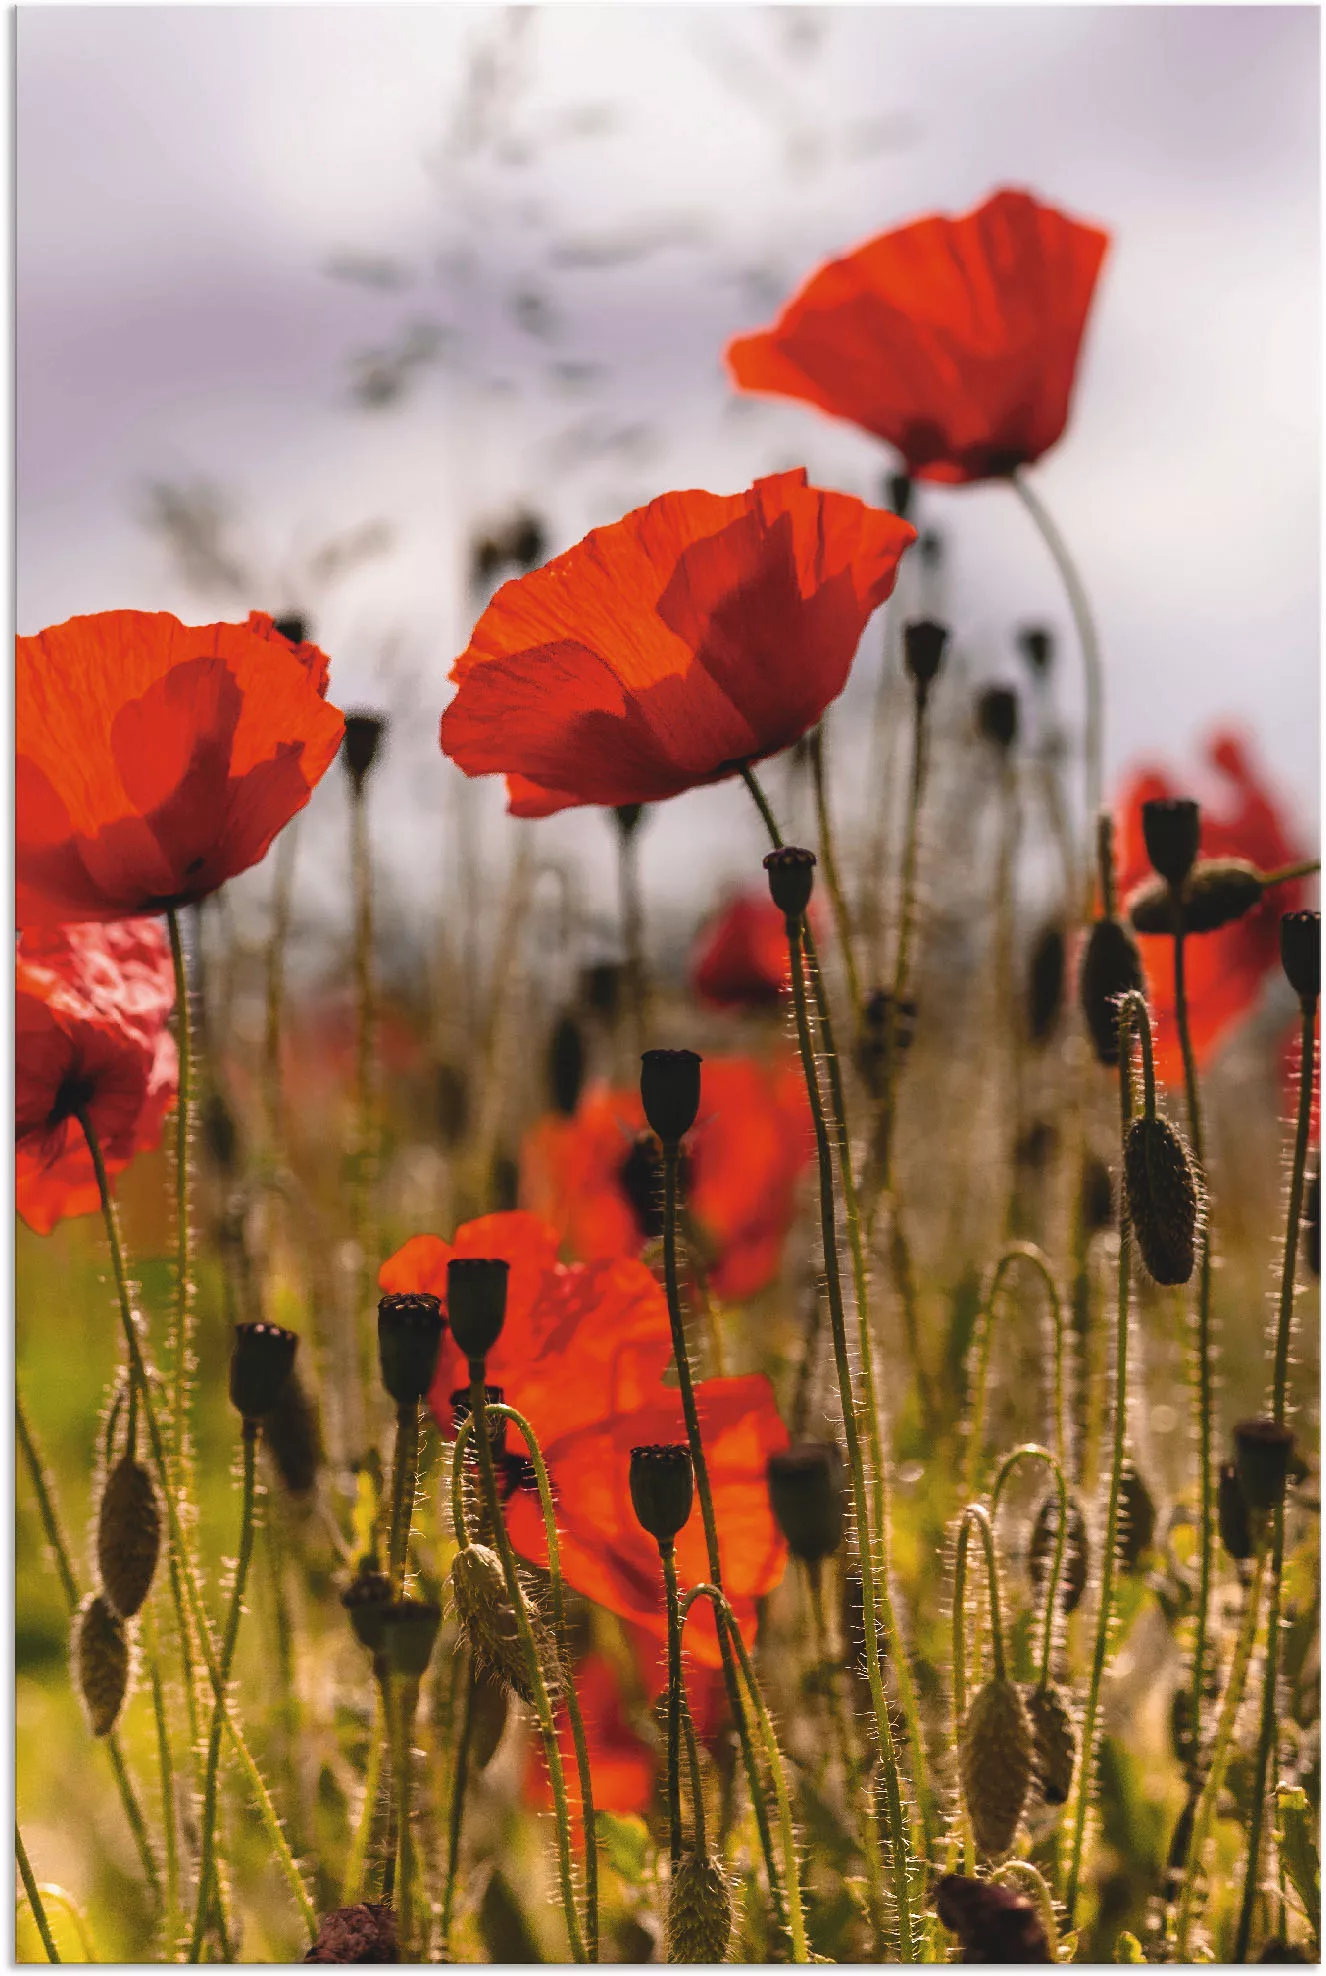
(996, 1761)
(1162, 1199)
(128, 1536)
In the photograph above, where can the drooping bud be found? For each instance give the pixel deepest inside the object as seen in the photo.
(365, 1599)
(1077, 1551)
(1172, 831)
(566, 1064)
(699, 1910)
(128, 1536)
(359, 749)
(1111, 968)
(260, 1364)
(997, 716)
(1137, 1517)
(1162, 1198)
(1045, 982)
(923, 643)
(1055, 1741)
(366, 1933)
(1232, 1517)
(662, 1487)
(992, 1922)
(1219, 891)
(476, 1303)
(409, 1633)
(1300, 954)
(409, 1340)
(1036, 645)
(995, 1762)
(1262, 1449)
(488, 1621)
(101, 1663)
(670, 1092)
(791, 873)
(808, 1498)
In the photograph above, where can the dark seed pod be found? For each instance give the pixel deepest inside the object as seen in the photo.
(699, 1910)
(1077, 1551)
(292, 1436)
(488, 1621)
(451, 1103)
(409, 1340)
(1219, 891)
(1036, 645)
(366, 1933)
(898, 491)
(1111, 967)
(365, 1599)
(566, 1065)
(873, 1043)
(995, 1760)
(128, 1536)
(1045, 982)
(1097, 1196)
(261, 1362)
(662, 1485)
(1137, 1518)
(220, 1133)
(1300, 954)
(409, 1633)
(1162, 1199)
(808, 1498)
(791, 873)
(359, 749)
(101, 1663)
(1171, 830)
(1055, 1741)
(670, 1092)
(993, 1923)
(923, 644)
(601, 989)
(1232, 1515)
(295, 627)
(476, 1302)
(1262, 1449)
(997, 716)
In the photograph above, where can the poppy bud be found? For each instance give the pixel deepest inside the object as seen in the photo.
(923, 643)
(1261, 1452)
(488, 1621)
(1097, 1198)
(992, 1922)
(699, 1910)
(409, 1340)
(662, 1486)
(566, 1065)
(995, 1762)
(1172, 831)
(101, 1663)
(476, 1303)
(1045, 982)
(292, 1436)
(1218, 892)
(1036, 645)
(496, 1423)
(1300, 954)
(295, 627)
(997, 716)
(807, 1497)
(128, 1536)
(791, 879)
(1162, 1198)
(1137, 1517)
(366, 1933)
(409, 1633)
(260, 1364)
(363, 737)
(670, 1092)
(1232, 1515)
(1312, 1224)
(601, 989)
(898, 491)
(1055, 1742)
(1077, 1551)
(365, 1599)
(1111, 968)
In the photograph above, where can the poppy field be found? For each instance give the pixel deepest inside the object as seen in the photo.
(796, 1447)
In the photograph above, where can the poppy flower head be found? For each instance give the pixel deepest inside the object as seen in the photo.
(313, 659)
(663, 651)
(956, 340)
(155, 760)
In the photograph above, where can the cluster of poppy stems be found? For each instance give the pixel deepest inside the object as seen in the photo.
(680, 646)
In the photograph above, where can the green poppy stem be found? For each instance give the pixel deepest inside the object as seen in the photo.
(33, 1893)
(456, 1814)
(1037, 1261)
(1031, 1452)
(828, 859)
(667, 1557)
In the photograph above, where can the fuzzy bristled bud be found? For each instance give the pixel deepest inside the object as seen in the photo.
(808, 1498)
(101, 1663)
(670, 1092)
(995, 1760)
(1219, 891)
(1042, 1547)
(1137, 1517)
(359, 749)
(1172, 830)
(791, 874)
(566, 1064)
(1111, 968)
(476, 1303)
(699, 1910)
(662, 1489)
(1232, 1515)
(128, 1536)
(409, 1340)
(993, 1923)
(261, 1362)
(1162, 1199)
(1045, 982)
(1300, 955)
(1036, 645)
(366, 1933)
(997, 716)
(488, 1621)
(1055, 1741)
(409, 1633)
(1262, 1450)
(923, 643)
(365, 1599)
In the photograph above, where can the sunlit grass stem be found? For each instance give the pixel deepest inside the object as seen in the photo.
(33, 1893)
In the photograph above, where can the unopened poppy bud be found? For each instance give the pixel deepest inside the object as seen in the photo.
(995, 1761)
(409, 1633)
(409, 1340)
(898, 491)
(295, 627)
(365, 1599)
(1218, 892)
(670, 1092)
(1262, 1449)
(566, 1065)
(662, 1487)
(1111, 968)
(1077, 1552)
(807, 1497)
(1162, 1198)
(1036, 645)
(1232, 1516)
(496, 1423)
(488, 1621)
(923, 643)
(997, 716)
(1300, 954)
(1055, 1742)
(699, 1910)
(791, 879)
(260, 1364)
(363, 737)
(101, 1663)
(1045, 982)
(1097, 1198)
(365, 1933)
(476, 1303)
(1137, 1517)
(993, 1923)
(128, 1536)
(1172, 831)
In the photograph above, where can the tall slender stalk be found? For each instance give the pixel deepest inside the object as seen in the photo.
(166, 1765)
(1037, 1261)
(365, 1151)
(181, 1341)
(353, 1881)
(33, 1893)
(404, 1482)
(456, 1813)
(667, 1557)
(842, 919)
(1031, 1452)
(1080, 606)
(282, 896)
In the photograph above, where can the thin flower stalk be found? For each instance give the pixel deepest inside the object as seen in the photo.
(287, 844)
(842, 918)
(1031, 1452)
(356, 1865)
(667, 1556)
(456, 1812)
(1036, 1260)
(166, 1765)
(404, 1485)
(33, 1893)
(181, 1342)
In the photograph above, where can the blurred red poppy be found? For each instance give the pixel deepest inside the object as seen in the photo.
(596, 1177)
(91, 1005)
(697, 633)
(740, 957)
(156, 760)
(622, 1764)
(956, 340)
(1226, 970)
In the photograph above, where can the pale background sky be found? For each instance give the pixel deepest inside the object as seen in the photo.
(574, 208)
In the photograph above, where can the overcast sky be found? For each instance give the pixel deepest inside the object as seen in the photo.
(563, 215)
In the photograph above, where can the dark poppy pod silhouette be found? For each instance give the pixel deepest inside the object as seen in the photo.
(488, 1621)
(1137, 1517)
(260, 1363)
(1055, 1741)
(662, 1486)
(997, 717)
(566, 1065)
(996, 1761)
(101, 1663)
(409, 1633)
(923, 643)
(699, 1911)
(366, 1599)
(791, 873)
(1171, 831)
(1300, 954)
(1045, 982)
(1232, 1517)
(1218, 892)
(670, 1092)
(359, 749)
(1111, 967)
(1097, 1197)
(808, 1498)
(476, 1303)
(1036, 645)
(992, 1922)
(292, 1436)
(409, 1340)
(1077, 1551)
(128, 1536)
(1262, 1449)
(1162, 1199)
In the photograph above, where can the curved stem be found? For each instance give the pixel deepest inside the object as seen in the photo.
(828, 859)
(675, 1691)
(1080, 606)
(1030, 1452)
(33, 1893)
(1022, 1871)
(1036, 1260)
(1308, 868)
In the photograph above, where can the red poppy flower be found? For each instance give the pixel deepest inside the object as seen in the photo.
(311, 657)
(622, 1764)
(740, 958)
(1225, 971)
(697, 633)
(595, 1176)
(90, 1010)
(956, 340)
(156, 760)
